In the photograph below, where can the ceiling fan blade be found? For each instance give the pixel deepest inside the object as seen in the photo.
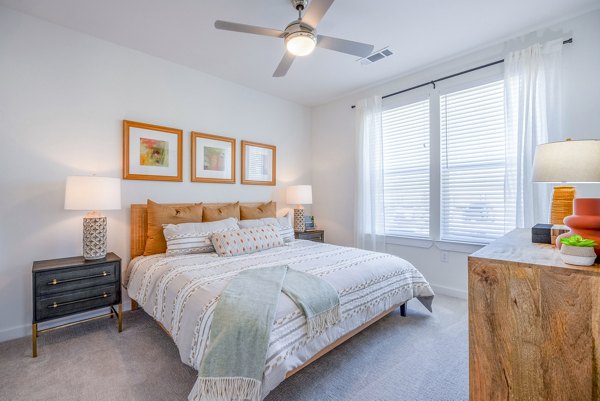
(344, 46)
(256, 30)
(284, 65)
(315, 12)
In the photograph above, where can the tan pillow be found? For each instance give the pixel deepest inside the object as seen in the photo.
(216, 213)
(257, 212)
(165, 214)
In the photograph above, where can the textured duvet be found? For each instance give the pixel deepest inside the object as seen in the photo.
(181, 292)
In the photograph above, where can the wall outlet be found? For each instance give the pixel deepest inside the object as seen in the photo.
(444, 257)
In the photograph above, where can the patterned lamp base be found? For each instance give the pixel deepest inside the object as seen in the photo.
(299, 220)
(94, 238)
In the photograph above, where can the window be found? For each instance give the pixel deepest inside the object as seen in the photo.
(473, 164)
(444, 164)
(406, 170)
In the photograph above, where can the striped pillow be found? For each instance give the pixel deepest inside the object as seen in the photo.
(246, 240)
(283, 224)
(186, 238)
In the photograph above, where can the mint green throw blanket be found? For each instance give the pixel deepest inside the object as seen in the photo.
(233, 365)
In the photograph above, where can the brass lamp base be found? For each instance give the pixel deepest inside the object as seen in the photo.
(562, 203)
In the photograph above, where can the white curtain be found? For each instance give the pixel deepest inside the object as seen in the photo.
(369, 215)
(533, 95)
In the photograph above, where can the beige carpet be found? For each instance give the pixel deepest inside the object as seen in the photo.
(421, 357)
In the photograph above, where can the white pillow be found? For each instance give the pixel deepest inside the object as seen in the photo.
(186, 238)
(283, 224)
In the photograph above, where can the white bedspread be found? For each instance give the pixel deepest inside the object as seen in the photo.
(181, 292)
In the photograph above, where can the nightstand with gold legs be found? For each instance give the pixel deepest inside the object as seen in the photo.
(35, 333)
(64, 287)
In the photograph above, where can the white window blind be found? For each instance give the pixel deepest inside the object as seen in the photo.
(473, 164)
(258, 163)
(406, 170)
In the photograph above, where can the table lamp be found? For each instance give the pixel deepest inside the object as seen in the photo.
(93, 194)
(572, 162)
(299, 195)
(566, 162)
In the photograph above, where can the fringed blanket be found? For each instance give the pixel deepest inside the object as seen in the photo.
(233, 365)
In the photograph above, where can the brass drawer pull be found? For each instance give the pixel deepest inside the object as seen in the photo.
(58, 305)
(56, 281)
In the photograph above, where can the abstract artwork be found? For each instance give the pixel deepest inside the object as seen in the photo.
(213, 158)
(154, 152)
(151, 152)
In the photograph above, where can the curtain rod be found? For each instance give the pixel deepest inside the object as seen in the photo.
(570, 40)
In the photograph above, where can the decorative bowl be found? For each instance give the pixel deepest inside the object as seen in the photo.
(577, 255)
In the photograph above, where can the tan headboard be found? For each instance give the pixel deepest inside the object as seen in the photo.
(139, 223)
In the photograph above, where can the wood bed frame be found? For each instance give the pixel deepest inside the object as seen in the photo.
(139, 228)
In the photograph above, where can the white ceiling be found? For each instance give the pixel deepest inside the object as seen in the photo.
(419, 32)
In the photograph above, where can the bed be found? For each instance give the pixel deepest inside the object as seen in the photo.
(180, 293)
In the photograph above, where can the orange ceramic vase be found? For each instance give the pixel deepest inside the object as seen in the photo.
(584, 221)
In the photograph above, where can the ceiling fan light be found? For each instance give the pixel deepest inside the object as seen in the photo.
(300, 43)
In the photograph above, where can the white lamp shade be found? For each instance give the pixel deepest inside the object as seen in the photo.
(568, 161)
(299, 195)
(93, 193)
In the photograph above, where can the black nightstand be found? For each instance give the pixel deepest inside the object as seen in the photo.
(311, 235)
(63, 287)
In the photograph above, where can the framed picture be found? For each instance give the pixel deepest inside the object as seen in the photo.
(151, 152)
(258, 163)
(213, 158)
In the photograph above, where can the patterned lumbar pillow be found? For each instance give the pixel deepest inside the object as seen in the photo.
(183, 239)
(283, 224)
(246, 240)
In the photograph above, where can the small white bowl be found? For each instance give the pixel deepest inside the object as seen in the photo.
(578, 260)
(576, 255)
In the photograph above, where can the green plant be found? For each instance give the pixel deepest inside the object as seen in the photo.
(578, 240)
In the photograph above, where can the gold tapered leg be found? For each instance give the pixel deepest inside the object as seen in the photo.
(34, 340)
(120, 317)
(134, 305)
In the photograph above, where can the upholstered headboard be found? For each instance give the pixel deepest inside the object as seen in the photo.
(139, 223)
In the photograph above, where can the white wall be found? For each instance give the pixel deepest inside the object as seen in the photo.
(333, 133)
(63, 96)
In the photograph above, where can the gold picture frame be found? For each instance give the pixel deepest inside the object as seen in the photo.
(213, 158)
(148, 152)
(259, 165)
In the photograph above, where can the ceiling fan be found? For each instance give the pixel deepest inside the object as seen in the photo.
(300, 35)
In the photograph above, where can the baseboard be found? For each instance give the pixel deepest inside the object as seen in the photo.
(451, 292)
(25, 330)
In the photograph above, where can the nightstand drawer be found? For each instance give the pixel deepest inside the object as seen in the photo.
(53, 282)
(76, 301)
(317, 235)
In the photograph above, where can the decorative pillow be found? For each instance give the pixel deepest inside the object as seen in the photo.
(186, 238)
(246, 240)
(166, 214)
(216, 213)
(257, 212)
(283, 224)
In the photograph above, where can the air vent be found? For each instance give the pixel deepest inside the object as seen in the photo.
(376, 56)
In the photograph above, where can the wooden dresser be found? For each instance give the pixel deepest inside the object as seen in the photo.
(534, 324)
